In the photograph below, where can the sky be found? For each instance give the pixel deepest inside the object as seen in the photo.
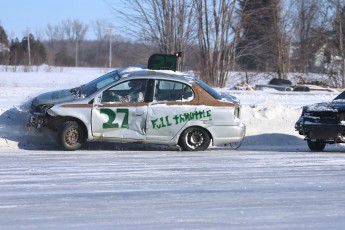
(19, 16)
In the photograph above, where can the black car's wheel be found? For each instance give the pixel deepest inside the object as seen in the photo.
(70, 136)
(316, 145)
(194, 139)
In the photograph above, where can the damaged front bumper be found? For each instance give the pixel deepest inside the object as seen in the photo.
(326, 132)
(37, 120)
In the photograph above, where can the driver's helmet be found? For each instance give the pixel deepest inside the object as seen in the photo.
(137, 84)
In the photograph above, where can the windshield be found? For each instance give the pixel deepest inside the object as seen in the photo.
(93, 86)
(209, 89)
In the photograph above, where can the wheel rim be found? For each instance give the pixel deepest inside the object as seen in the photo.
(194, 139)
(72, 137)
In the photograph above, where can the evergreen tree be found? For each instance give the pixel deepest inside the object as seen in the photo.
(19, 51)
(257, 46)
(16, 53)
(4, 48)
(37, 50)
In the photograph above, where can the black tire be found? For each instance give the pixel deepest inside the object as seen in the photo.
(194, 139)
(283, 82)
(316, 145)
(70, 136)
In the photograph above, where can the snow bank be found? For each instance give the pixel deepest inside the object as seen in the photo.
(270, 123)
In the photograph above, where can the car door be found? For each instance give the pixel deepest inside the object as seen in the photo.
(171, 109)
(115, 115)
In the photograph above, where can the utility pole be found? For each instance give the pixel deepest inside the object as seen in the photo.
(76, 52)
(29, 52)
(110, 46)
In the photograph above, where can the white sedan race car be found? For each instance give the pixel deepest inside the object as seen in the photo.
(137, 105)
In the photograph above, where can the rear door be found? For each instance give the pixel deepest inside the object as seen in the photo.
(171, 109)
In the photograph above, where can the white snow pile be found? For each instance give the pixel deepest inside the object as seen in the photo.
(270, 123)
(268, 115)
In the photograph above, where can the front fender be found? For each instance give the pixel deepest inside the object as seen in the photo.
(81, 114)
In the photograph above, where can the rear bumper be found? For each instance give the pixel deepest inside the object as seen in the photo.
(228, 134)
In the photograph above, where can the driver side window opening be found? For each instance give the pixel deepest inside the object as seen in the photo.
(172, 91)
(128, 91)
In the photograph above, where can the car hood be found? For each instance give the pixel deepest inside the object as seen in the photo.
(333, 106)
(54, 97)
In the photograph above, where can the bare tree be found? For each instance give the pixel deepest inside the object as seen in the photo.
(339, 27)
(52, 39)
(167, 24)
(51, 34)
(101, 29)
(79, 31)
(75, 31)
(306, 24)
(103, 32)
(217, 31)
(280, 40)
(59, 31)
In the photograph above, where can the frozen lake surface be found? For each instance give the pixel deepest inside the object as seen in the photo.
(215, 189)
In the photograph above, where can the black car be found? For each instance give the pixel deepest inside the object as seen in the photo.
(323, 123)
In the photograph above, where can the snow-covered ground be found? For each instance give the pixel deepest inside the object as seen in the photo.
(271, 182)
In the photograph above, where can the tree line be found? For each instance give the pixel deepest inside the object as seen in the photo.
(216, 37)
(278, 36)
(65, 45)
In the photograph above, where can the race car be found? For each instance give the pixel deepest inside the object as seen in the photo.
(140, 105)
(323, 123)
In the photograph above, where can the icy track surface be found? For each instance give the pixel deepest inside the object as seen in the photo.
(215, 189)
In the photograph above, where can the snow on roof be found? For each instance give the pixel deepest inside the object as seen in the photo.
(130, 69)
(125, 72)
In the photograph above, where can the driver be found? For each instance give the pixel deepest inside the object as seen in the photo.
(136, 93)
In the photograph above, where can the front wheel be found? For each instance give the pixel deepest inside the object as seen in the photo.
(194, 139)
(316, 145)
(70, 136)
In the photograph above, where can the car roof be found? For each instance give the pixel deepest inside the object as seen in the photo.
(138, 72)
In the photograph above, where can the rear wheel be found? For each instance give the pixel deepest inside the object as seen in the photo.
(70, 136)
(194, 139)
(316, 145)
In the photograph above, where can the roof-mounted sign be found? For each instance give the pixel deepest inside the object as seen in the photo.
(163, 61)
